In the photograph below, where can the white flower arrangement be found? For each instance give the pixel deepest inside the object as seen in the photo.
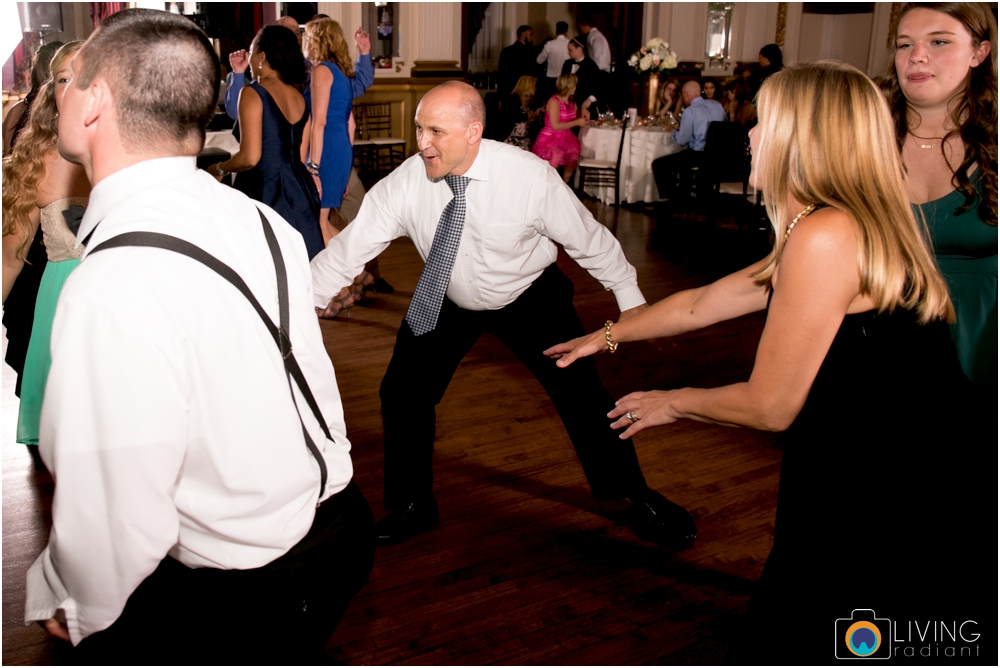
(656, 56)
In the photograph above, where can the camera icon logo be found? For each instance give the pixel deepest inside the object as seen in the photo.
(863, 636)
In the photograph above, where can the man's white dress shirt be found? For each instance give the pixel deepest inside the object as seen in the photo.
(517, 210)
(554, 54)
(599, 51)
(167, 422)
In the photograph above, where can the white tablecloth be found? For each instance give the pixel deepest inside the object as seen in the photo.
(223, 139)
(642, 147)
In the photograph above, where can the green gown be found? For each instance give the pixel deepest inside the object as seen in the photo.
(966, 251)
(63, 256)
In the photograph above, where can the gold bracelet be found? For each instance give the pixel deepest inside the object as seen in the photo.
(612, 345)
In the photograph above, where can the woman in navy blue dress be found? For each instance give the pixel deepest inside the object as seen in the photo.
(274, 120)
(334, 85)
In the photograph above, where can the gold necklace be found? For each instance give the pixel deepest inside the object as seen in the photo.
(802, 214)
(919, 145)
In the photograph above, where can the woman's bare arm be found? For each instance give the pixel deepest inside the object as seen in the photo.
(251, 112)
(11, 242)
(685, 311)
(322, 80)
(819, 282)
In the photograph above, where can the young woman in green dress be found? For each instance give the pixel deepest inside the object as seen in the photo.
(943, 94)
(39, 188)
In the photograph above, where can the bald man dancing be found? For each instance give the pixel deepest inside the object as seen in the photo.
(486, 218)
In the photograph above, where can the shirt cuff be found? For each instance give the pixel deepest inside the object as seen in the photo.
(629, 298)
(45, 594)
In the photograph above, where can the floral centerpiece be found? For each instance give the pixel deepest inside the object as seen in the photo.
(655, 57)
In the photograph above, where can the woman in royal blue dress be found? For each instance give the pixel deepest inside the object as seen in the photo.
(274, 120)
(334, 85)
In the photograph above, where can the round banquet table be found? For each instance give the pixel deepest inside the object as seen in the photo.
(642, 146)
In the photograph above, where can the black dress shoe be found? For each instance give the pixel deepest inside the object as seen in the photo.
(662, 520)
(398, 526)
(382, 287)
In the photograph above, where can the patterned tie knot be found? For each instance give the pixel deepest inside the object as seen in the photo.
(457, 184)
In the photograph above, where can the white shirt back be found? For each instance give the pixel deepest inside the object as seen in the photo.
(554, 53)
(599, 51)
(168, 421)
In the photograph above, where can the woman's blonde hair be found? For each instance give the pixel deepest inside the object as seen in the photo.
(325, 41)
(525, 90)
(26, 165)
(566, 83)
(827, 138)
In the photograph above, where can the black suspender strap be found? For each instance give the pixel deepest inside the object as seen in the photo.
(279, 333)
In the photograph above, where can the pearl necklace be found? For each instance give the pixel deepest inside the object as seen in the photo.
(802, 214)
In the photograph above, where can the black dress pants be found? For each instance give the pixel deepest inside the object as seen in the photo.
(671, 171)
(279, 614)
(422, 367)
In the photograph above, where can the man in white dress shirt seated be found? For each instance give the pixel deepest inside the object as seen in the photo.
(486, 218)
(197, 517)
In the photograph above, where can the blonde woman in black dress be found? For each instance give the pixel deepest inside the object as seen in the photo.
(856, 362)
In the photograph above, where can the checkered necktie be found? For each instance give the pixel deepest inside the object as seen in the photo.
(425, 306)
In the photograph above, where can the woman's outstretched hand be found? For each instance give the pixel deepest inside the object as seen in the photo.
(584, 346)
(650, 409)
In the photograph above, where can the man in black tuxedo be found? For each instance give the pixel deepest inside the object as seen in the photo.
(591, 87)
(516, 61)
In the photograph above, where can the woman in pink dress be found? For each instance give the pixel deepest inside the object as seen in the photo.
(556, 142)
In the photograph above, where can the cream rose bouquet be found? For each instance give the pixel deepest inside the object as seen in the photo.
(656, 56)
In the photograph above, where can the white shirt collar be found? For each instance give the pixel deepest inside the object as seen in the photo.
(126, 182)
(480, 168)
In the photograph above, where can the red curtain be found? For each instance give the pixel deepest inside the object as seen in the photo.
(102, 10)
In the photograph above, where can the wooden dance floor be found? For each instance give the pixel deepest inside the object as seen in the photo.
(526, 568)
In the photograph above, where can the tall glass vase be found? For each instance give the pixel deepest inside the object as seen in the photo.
(654, 86)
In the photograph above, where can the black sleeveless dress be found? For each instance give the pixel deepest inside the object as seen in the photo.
(279, 179)
(887, 499)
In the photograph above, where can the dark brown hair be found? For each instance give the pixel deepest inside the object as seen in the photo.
(975, 115)
(162, 70)
(282, 52)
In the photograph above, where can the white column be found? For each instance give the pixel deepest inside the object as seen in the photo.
(439, 31)
(793, 33)
(688, 27)
(879, 49)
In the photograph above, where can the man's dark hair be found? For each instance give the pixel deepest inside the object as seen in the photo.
(562, 28)
(162, 70)
(521, 30)
(587, 21)
(773, 53)
(281, 49)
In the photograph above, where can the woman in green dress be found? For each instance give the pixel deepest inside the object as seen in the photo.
(943, 93)
(40, 188)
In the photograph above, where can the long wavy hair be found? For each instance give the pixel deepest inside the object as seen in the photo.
(40, 73)
(827, 139)
(325, 41)
(974, 113)
(26, 165)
